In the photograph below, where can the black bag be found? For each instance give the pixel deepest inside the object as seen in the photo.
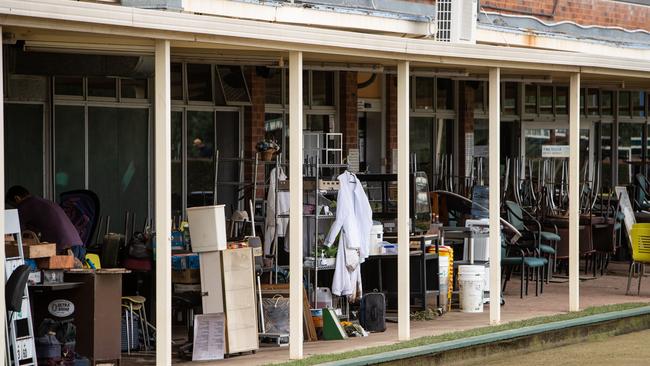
(372, 312)
(111, 248)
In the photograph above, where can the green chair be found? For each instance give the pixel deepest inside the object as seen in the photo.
(513, 256)
(544, 242)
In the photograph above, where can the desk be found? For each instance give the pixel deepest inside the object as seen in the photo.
(424, 278)
(96, 296)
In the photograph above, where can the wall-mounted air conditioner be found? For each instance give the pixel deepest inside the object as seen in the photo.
(456, 21)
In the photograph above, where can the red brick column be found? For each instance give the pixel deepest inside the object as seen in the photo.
(254, 123)
(348, 108)
(391, 120)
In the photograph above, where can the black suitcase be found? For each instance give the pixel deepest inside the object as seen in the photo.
(111, 249)
(372, 312)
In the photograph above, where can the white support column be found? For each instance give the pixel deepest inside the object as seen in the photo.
(295, 208)
(574, 188)
(3, 310)
(163, 192)
(495, 195)
(403, 286)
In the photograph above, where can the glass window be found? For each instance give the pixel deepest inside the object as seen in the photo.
(233, 84)
(606, 155)
(593, 102)
(134, 88)
(24, 146)
(273, 81)
(546, 99)
(424, 88)
(531, 99)
(630, 137)
(27, 87)
(607, 102)
(68, 85)
(582, 101)
(317, 123)
(200, 153)
(105, 87)
(421, 134)
(273, 127)
(445, 89)
(624, 103)
(322, 88)
(561, 100)
(176, 81)
(118, 161)
(228, 146)
(177, 162)
(509, 105)
(199, 82)
(638, 104)
(69, 148)
(479, 96)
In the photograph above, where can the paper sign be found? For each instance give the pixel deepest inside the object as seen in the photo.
(353, 160)
(626, 208)
(555, 151)
(209, 337)
(481, 150)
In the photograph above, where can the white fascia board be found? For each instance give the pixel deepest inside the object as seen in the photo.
(531, 40)
(142, 23)
(290, 14)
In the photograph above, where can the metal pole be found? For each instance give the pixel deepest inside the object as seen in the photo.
(574, 198)
(495, 195)
(403, 286)
(295, 208)
(3, 310)
(162, 133)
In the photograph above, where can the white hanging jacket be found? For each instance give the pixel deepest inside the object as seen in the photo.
(354, 217)
(270, 223)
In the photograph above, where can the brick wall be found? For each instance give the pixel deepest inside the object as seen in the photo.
(254, 122)
(348, 105)
(391, 119)
(584, 12)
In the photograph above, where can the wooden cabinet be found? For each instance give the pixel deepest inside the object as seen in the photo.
(228, 285)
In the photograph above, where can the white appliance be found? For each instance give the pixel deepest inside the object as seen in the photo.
(207, 228)
(481, 245)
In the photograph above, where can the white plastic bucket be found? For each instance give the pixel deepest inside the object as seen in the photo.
(470, 283)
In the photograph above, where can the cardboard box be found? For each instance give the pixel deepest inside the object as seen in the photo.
(187, 276)
(56, 262)
(32, 251)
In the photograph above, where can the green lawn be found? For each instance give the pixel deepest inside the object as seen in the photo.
(318, 359)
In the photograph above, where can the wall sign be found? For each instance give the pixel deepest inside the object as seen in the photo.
(61, 308)
(555, 151)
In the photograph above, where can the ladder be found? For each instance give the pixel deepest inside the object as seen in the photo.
(19, 331)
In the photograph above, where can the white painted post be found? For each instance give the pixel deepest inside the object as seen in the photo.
(295, 208)
(403, 286)
(574, 187)
(3, 309)
(163, 192)
(495, 195)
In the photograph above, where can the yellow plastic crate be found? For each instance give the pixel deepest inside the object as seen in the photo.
(641, 243)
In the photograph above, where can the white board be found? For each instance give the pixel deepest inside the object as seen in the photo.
(555, 151)
(626, 208)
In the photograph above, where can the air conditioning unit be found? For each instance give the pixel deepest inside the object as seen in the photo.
(456, 20)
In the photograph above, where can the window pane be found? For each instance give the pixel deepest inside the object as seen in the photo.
(200, 162)
(479, 96)
(531, 99)
(233, 84)
(134, 88)
(228, 146)
(318, 123)
(323, 88)
(177, 162)
(638, 104)
(69, 148)
(582, 101)
(273, 85)
(624, 103)
(630, 137)
(421, 132)
(607, 102)
(424, 88)
(199, 82)
(102, 87)
(176, 80)
(510, 99)
(445, 94)
(68, 85)
(546, 99)
(118, 166)
(593, 102)
(24, 146)
(606, 155)
(561, 100)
